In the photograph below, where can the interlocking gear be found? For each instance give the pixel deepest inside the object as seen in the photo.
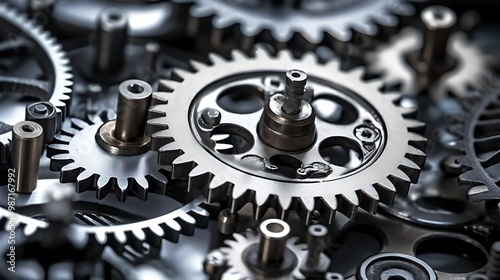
(211, 157)
(109, 222)
(279, 22)
(21, 36)
(235, 253)
(481, 144)
(80, 159)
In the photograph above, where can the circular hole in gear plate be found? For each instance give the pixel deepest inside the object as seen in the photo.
(451, 254)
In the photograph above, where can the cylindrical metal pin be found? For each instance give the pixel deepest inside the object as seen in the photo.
(438, 23)
(152, 52)
(273, 237)
(294, 92)
(26, 148)
(111, 41)
(45, 114)
(316, 244)
(132, 110)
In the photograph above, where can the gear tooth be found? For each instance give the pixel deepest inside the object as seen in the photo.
(138, 234)
(216, 59)
(119, 238)
(307, 203)
(59, 161)
(101, 237)
(219, 188)
(285, 202)
(309, 58)
(154, 233)
(238, 55)
(478, 193)
(285, 55)
(102, 181)
(411, 169)
(261, 53)
(417, 140)
(30, 229)
(334, 64)
(69, 172)
(139, 187)
(386, 191)
(187, 223)
(392, 97)
(401, 181)
(327, 207)
(415, 125)
(240, 197)
(469, 178)
(348, 205)
(198, 66)
(103, 187)
(415, 155)
(165, 87)
(368, 199)
(121, 188)
(376, 84)
(357, 73)
(78, 124)
(169, 153)
(181, 166)
(239, 238)
(261, 198)
(181, 74)
(171, 230)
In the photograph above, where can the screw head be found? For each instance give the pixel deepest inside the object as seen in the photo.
(366, 134)
(211, 117)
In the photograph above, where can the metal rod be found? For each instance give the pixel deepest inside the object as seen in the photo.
(132, 110)
(438, 23)
(111, 41)
(294, 91)
(27, 145)
(274, 234)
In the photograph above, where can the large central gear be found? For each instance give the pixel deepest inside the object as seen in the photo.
(180, 142)
(22, 35)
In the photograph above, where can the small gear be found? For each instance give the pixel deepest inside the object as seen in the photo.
(221, 151)
(236, 251)
(280, 22)
(109, 222)
(80, 159)
(24, 35)
(481, 144)
(399, 61)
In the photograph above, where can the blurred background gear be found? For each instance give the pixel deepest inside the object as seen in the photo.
(33, 68)
(436, 60)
